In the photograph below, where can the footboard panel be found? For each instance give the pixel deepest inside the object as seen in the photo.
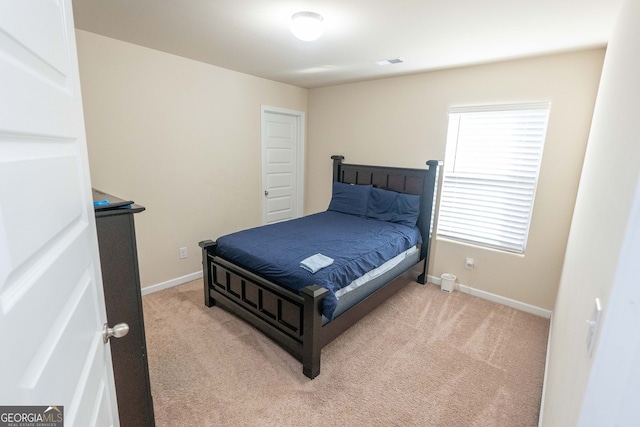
(284, 312)
(292, 320)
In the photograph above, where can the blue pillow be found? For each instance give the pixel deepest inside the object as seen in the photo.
(350, 199)
(385, 205)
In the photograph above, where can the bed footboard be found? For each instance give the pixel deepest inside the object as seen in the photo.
(291, 320)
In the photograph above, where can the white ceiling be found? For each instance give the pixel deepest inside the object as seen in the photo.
(253, 37)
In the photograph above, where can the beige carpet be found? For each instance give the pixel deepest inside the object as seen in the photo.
(424, 358)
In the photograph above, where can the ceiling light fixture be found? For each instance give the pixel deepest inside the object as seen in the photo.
(306, 26)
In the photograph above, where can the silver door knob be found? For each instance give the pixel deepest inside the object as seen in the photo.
(266, 193)
(118, 331)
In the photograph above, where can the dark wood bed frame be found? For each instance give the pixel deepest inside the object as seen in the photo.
(293, 320)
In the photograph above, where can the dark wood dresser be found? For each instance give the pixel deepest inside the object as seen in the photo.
(121, 279)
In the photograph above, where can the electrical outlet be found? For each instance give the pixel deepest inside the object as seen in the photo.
(183, 253)
(468, 263)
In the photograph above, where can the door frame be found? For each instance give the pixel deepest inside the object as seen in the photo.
(300, 140)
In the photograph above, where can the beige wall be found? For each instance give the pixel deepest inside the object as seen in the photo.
(607, 191)
(181, 138)
(402, 121)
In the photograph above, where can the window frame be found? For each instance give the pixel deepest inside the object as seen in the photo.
(467, 183)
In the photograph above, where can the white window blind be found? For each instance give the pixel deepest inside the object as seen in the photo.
(490, 174)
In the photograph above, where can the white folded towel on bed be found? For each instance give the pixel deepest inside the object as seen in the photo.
(316, 262)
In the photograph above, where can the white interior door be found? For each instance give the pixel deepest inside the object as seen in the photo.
(51, 300)
(282, 164)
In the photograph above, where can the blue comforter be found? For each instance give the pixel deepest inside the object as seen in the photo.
(356, 244)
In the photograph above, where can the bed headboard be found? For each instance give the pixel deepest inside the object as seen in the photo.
(403, 180)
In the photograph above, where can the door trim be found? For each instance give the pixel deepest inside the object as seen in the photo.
(300, 118)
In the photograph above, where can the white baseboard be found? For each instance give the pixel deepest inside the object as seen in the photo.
(518, 305)
(171, 283)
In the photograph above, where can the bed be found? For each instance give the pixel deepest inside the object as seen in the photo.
(305, 281)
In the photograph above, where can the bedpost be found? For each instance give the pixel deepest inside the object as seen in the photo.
(426, 214)
(312, 329)
(337, 162)
(208, 246)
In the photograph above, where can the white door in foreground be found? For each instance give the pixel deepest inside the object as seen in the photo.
(51, 300)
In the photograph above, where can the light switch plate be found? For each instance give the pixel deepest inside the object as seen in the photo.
(592, 325)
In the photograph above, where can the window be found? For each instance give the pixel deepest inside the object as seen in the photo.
(490, 174)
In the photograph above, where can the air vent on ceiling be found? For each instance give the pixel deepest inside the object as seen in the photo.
(390, 61)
